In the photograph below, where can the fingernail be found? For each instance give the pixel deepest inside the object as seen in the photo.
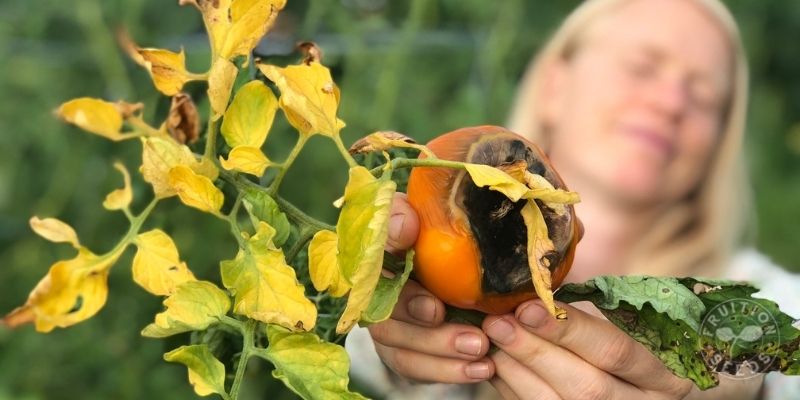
(396, 226)
(469, 344)
(477, 370)
(500, 331)
(422, 308)
(533, 315)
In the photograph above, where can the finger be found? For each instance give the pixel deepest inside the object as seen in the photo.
(569, 375)
(513, 380)
(602, 344)
(418, 306)
(447, 340)
(403, 225)
(428, 368)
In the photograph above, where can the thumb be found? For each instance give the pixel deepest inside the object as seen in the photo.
(403, 225)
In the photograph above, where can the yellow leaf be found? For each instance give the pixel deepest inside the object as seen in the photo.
(157, 266)
(72, 291)
(311, 367)
(246, 159)
(193, 307)
(250, 115)
(206, 373)
(55, 230)
(323, 266)
(266, 288)
(120, 198)
(161, 154)
(195, 190)
(364, 222)
(539, 245)
(250, 21)
(220, 82)
(385, 140)
(310, 96)
(216, 17)
(495, 179)
(93, 115)
(543, 190)
(167, 68)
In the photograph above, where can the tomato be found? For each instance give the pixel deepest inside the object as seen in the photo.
(471, 251)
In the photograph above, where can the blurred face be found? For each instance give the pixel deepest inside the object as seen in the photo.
(636, 110)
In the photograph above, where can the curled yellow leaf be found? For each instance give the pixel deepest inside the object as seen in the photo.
(157, 266)
(206, 373)
(72, 291)
(93, 115)
(195, 190)
(246, 159)
(495, 179)
(364, 221)
(266, 288)
(55, 230)
(220, 82)
(539, 245)
(249, 22)
(323, 266)
(309, 97)
(250, 115)
(120, 198)
(161, 154)
(192, 307)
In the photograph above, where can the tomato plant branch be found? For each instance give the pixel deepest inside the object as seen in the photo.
(244, 356)
(211, 140)
(305, 235)
(276, 183)
(418, 162)
(343, 150)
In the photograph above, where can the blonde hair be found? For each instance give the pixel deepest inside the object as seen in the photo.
(698, 235)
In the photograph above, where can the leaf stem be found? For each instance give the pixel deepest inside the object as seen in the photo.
(343, 150)
(141, 127)
(417, 162)
(211, 139)
(276, 183)
(305, 235)
(247, 351)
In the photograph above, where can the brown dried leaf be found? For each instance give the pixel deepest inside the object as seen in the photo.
(183, 121)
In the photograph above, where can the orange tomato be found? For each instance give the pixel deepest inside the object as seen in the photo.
(471, 251)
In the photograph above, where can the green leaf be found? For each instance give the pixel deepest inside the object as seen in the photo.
(386, 294)
(194, 306)
(312, 368)
(363, 228)
(698, 328)
(206, 373)
(262, 207)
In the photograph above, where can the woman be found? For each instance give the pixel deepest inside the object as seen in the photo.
(640, 105)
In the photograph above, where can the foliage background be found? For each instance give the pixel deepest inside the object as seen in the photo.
(416, 66)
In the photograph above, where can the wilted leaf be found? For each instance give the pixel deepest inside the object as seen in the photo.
(250, 21)
(364, 222)
(385, 140)
(311, 52)
(93, 115)
(312, 368)
(543, 190)
(183, 121)
(72, 291)
(195, 190)
(206, 373)
(220, 82)
(387, 293)
(194, 306)
(262, 207)
(55, 230)
(495, 179)
(668, 317)
(266, 288)
(166, 68)
(249, 160)
(323, 266)
(216, 15)
(539, 245)
(161, 154)
(120, 198)
(250, 115)
(309, 97)
(157, 266)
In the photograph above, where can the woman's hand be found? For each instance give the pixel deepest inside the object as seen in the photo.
(416, 342)
(584, 357)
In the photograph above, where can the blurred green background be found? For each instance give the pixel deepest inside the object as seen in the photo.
(420, 67)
